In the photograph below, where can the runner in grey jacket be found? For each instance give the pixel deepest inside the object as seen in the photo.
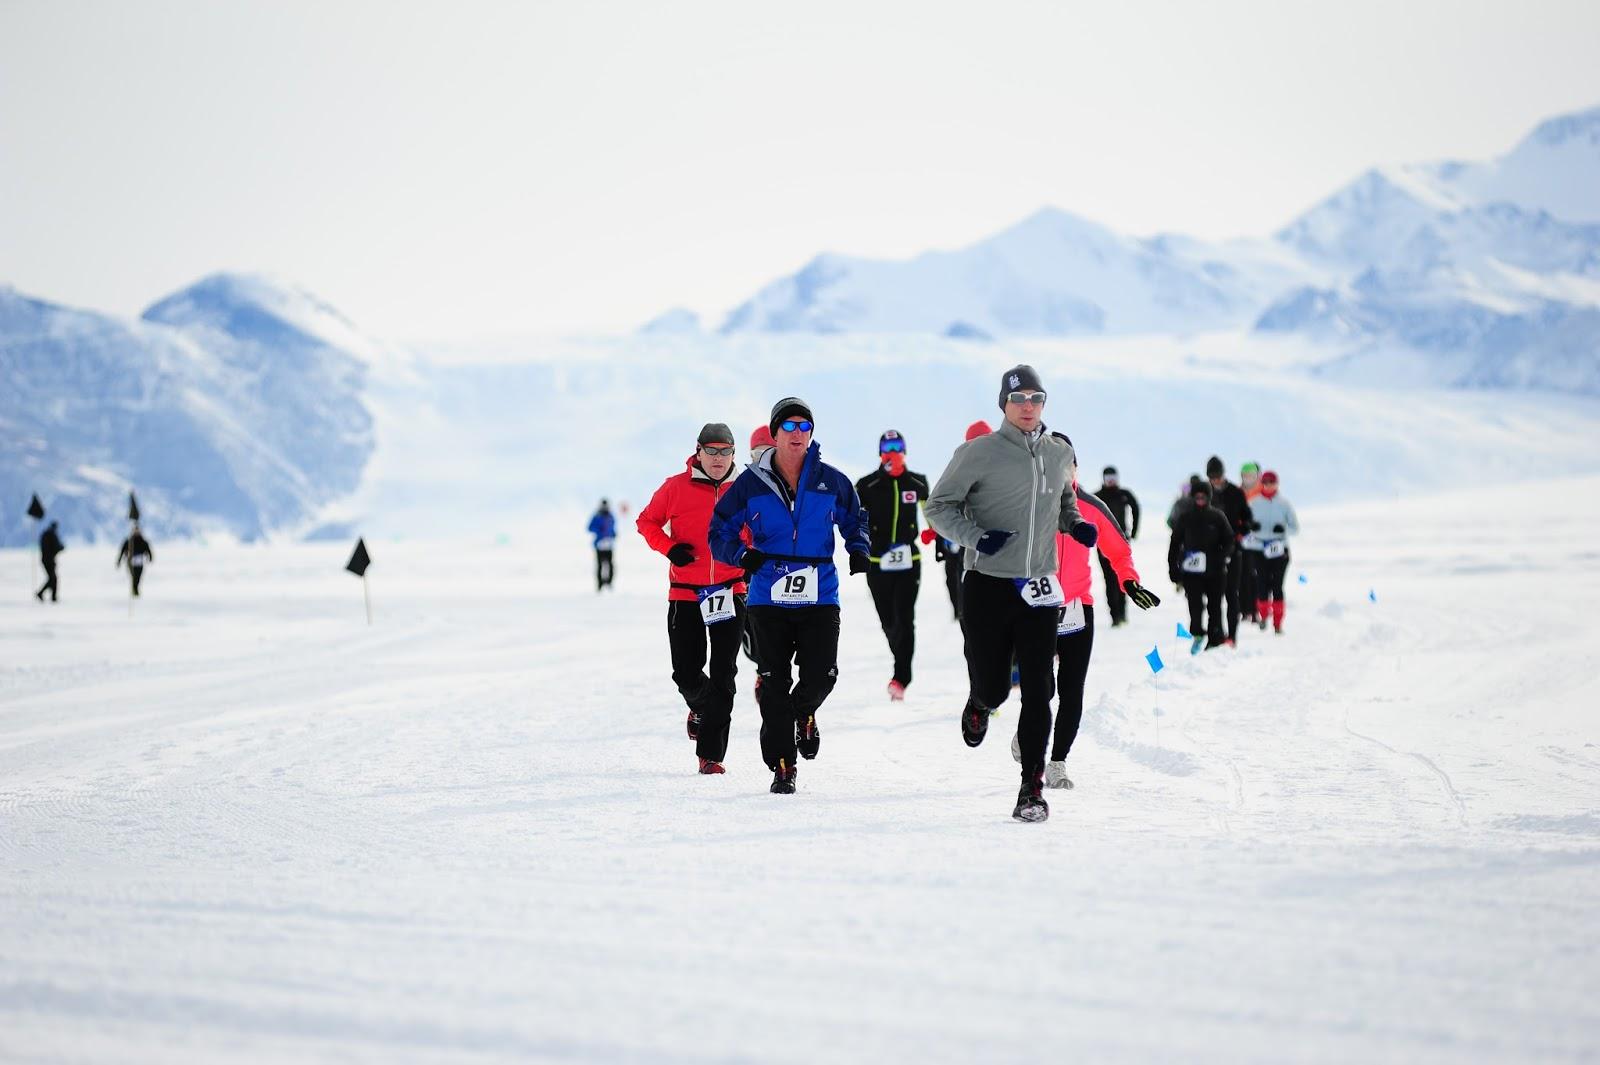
(1002, 498)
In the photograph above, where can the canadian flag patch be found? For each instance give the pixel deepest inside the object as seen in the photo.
(908, 497)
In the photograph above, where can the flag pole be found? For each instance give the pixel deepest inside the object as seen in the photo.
(366, 596)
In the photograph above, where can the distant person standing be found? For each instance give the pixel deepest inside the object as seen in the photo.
(137, 554)
(50, 546)
(1125, 509)
(1274, 522)
(891, 495)
(603, 527)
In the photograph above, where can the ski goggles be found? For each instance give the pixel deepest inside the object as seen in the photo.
(891, 447)
(719, 451)
(793, 425)
(1025, 398)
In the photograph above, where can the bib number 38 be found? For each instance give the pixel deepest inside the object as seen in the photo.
(1039, 591)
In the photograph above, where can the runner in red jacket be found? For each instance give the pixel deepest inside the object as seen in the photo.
(705, 598)
(1075, 633)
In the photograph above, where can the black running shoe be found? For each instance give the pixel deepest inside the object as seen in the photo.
(974, 722)
(1030, 801)
(807, 737)
(783, 778)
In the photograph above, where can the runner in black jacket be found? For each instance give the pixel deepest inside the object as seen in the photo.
(1228, 498)
(136, 552)
(1122, 505)
(1197, 561)
(891, 495)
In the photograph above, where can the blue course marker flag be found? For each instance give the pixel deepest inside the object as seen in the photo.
(1303, 578)
(1372, 594)
(1183, 633)
(1154, 658)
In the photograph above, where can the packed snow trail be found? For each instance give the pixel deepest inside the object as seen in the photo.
(244, 826)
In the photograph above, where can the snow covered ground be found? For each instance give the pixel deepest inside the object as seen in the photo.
(243, 826)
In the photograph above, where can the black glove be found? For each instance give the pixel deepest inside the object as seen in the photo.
(752, 560)
(993, 540)
(859, 563)
(681, 554)
(1176, 577)
(1142, 597)
(1085, 533)
(1255, 526)
(939, 553)
(1277, 528)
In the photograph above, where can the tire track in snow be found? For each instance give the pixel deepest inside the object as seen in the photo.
(1443, 778)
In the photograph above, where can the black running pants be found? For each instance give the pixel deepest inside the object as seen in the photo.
(995, 623)
(791, 639)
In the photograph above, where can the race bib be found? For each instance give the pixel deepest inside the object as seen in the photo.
(137, 561)
(1194, 562)
(1071, 619)
(1251, 542)
(716, 604)
(605, 544)
(896, 560)
(1275, 548)
(1039, 591)
(796, 588)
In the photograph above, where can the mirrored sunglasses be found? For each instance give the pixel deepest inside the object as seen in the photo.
(1022, 398)
(795, 426)
(891, 446)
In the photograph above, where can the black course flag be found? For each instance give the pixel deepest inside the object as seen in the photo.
(133, 508)
(360, 560)
(35, 509)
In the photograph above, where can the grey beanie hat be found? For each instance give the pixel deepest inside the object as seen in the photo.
(1019, 378)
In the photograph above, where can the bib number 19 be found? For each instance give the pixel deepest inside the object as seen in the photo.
(796, 588)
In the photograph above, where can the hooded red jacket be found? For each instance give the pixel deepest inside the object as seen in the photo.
(680, 513)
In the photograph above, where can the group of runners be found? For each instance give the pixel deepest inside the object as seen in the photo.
(751, 563)
(1229, 551)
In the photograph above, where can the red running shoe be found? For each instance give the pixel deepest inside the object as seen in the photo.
(708, 767)
(897, 691)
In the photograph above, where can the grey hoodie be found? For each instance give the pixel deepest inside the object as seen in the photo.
(1010, 480)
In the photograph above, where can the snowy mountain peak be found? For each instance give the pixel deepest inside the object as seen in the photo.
(1581, 126)
(259, 308)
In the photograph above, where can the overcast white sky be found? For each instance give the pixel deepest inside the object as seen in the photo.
(458, 170)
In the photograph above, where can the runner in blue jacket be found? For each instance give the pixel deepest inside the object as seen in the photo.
(791, 501)
(603, 527)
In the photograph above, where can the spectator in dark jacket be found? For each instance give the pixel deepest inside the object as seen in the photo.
(1229, 499)
(50, 546)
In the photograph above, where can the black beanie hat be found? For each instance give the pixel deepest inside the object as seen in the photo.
(1109, 471)
(1214, 467)
(1019, 378)
(789, 405)
(714, 433)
